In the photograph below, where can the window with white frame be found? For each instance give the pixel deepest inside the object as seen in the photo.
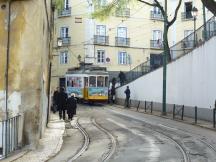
(100, 56)
(157, 35)
(156, 10)
(188, 34)
(66, 4)
(101, 30)
(122, 58)
(64, 32)
(122, 32)
(64, 57)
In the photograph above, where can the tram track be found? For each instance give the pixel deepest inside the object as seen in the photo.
(85, 143)
(112, 146)
(186, 157)
(185, 154)
(112, 149)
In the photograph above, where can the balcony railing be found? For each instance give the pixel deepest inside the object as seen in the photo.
(122, 42)
(65, 40)
(204, 33)
(187, 44)
(101, 40)
(156, 44)
(186, 16)
(156, 16)
(9, 136)
(64, 12)
(123, 13)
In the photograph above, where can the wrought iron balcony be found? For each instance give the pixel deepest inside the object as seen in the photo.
(156, 16)
(156, 44)
(101, 39)
(122, 42)
(188, 44)
(123, 13)
(65, 40)
(64, 12)
(186, 16)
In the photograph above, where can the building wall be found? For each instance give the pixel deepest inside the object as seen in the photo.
(28, 65)
(140, 28)
(190, 80)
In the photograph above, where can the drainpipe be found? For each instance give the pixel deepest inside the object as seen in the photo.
(7, 75)
(49, 88)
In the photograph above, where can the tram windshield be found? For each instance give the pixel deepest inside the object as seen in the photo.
(106, 81)
(92, 81)
(100, 81)
(74, 81)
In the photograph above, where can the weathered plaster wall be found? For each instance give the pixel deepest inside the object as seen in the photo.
(28, 68)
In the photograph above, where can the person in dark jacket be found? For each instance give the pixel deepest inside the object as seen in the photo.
(71, 106)
(113, 94)
(55, 100)
(62, 103)
(127, 93)
(122, 77)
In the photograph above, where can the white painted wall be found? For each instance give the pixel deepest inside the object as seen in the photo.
(14, 102)
(191, 80)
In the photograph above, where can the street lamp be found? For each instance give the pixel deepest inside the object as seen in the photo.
(194, 13)
(59, 42)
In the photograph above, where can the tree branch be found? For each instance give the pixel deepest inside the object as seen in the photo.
(160, 7)
(175, 16)
(150, 4)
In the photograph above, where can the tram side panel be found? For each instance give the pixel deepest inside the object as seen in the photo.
(74, 84)
(98, 93)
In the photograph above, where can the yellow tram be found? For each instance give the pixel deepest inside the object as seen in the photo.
(88, 84)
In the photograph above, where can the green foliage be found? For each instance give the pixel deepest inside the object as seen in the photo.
(59, 4)
(104, 11)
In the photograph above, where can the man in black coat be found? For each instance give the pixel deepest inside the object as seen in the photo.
(71, 106)
(127, 93)
(55, 100)
(62, 103)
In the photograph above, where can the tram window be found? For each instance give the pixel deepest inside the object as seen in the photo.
(100, 81)
(92, 81)
(74, 82)
(86, 82)
(106, 81)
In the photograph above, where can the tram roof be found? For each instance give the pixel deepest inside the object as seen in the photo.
(93, 70)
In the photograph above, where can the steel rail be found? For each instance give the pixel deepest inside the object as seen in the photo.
(85, 144)
(183, 151)
(111, 151)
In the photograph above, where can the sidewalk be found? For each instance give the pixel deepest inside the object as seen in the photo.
(187, 120)
(48, 147)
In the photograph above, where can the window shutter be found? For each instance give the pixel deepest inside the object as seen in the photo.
(129, 59)
(119, 57)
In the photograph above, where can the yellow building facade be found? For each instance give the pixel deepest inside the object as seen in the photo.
(122, 41)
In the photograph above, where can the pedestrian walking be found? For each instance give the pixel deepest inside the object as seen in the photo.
(62, 103)
(127, 100)
(55, 100)
(113, 94)
(71, 106)
(122, 77)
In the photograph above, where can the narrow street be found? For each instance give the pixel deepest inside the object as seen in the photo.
(106, 133)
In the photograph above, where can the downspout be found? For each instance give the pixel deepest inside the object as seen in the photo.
(7, 75)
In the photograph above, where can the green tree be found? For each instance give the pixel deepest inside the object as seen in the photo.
(102, 12)
(210, 5)
(58, 4)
